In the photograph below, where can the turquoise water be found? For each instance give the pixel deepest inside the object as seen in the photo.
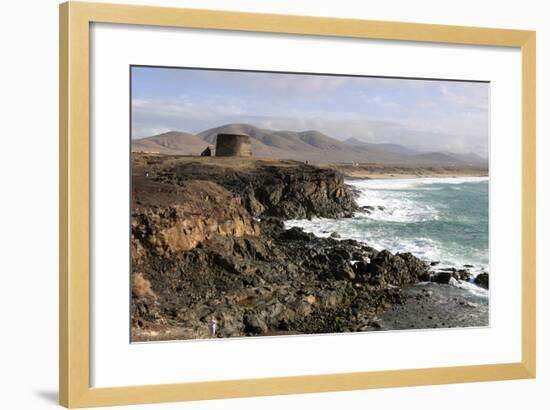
(436, 219)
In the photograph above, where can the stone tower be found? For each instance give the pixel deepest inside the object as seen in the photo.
(233, 145)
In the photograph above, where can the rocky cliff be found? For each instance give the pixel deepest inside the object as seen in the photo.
(167, 219)
(284, 189)
(211, 256)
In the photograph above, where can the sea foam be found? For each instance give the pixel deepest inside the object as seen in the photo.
(402, 218)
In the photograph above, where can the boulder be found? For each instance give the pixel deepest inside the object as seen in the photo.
(397, 270)
(442, 277)
(296, 234)
(462, 274)
(482, 280)
(254, 324)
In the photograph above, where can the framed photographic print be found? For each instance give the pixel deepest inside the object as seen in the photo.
(260, 204)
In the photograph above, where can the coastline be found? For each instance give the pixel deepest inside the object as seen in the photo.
(366, 175)
(432, 305)
(209, 245)
(379, 198)
(386, 171)
(452, 298)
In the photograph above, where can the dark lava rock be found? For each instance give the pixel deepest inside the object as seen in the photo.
(418, 269)
(361, 268)
(291, 191)
(482, 280)
(253, 324)
(296, 234)
(462, 274)
(442, 277)
(398, 270)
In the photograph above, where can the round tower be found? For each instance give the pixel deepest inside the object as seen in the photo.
(233, 145)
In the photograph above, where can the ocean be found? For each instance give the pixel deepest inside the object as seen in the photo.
(436, 219)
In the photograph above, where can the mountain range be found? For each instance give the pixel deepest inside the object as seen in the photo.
(312, 146)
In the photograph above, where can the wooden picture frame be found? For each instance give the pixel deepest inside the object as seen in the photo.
(75, 19)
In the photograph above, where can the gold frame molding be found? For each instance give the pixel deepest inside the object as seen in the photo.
(74, 315)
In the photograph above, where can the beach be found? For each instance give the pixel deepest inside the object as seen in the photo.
(391, 171)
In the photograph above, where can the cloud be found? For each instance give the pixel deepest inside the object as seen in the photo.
(279, 84)
(425, 115)
(466, 95)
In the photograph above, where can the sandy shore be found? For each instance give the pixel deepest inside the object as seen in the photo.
(383, 171)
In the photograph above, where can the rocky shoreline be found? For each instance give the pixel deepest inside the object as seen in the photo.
(430, 305)
(211, 256)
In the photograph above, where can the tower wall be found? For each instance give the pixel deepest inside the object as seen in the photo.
(233, 145)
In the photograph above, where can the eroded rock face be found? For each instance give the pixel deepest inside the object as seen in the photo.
(178, 218)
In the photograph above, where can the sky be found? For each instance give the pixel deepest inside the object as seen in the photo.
(426, 115)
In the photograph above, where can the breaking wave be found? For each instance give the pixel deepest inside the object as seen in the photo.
(436, 219)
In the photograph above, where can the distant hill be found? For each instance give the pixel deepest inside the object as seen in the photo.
(172, 142)
(449, 158)
(310, 145)
(435, 157)
(283, 140)
(264, 142)
(387, 147)
(319, 140)
(471, 158)
(304, 146)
